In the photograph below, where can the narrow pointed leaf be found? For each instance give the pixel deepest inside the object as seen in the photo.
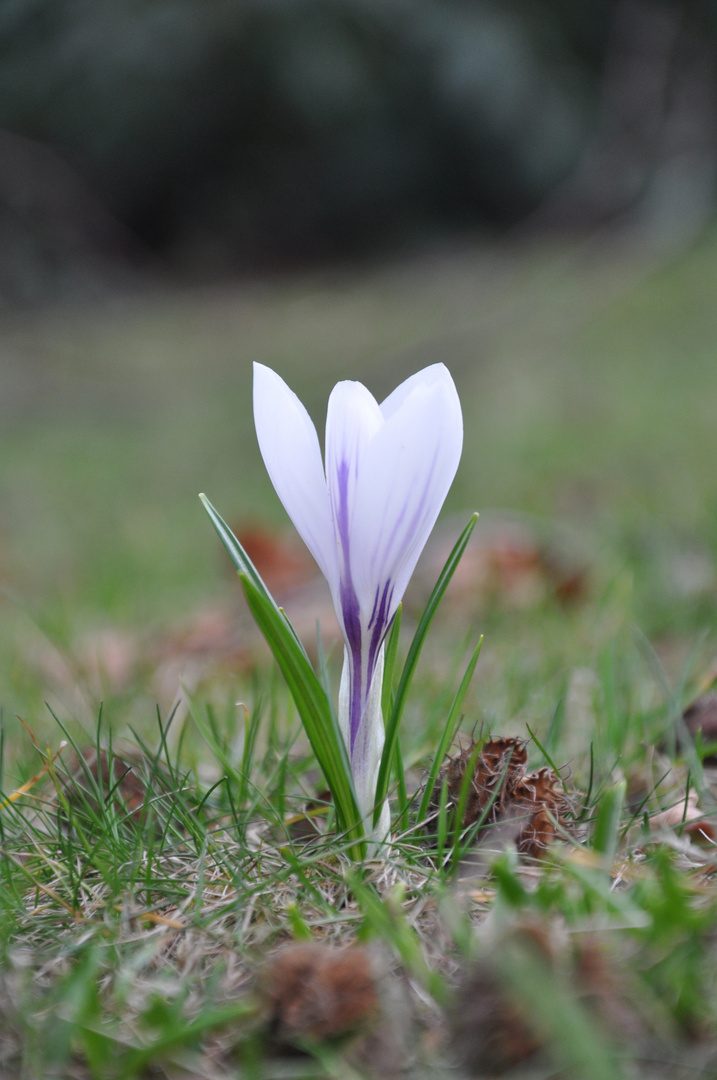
(242, 562)
(389, 662)
(607, 822)
(449, 730)
(409, 667)
(309, 695)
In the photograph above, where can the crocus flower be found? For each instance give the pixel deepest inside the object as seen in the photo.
(365, 515)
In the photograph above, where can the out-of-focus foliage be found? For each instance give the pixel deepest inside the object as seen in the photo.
(274, 128)
(241, 133)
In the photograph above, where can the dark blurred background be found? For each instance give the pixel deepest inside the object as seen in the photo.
(192, 140)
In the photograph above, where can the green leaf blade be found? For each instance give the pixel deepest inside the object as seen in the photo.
(449, 731)
(409, 667)
(309, 696)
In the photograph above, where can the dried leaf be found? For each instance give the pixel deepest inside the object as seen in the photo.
(502, 789)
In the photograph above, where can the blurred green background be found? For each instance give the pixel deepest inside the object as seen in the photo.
(347, 190)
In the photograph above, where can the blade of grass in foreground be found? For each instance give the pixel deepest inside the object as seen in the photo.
(607, 822)
(449, 730)
(310, 698)
(389, 663)
(409, 667)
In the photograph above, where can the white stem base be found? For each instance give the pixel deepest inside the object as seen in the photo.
(368, 747)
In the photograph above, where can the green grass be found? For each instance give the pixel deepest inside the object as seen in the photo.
(132, 938)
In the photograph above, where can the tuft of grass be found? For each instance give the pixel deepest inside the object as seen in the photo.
(141, 896)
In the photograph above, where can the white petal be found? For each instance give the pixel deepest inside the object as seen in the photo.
(353, 417)
(406, 471)
(290, 448)
(426, 377)
(344, 705)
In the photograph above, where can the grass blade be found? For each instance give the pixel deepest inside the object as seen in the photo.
(607, 823)
(389, 663)
(311, 701)
(449, 730)
(400, 773)
(409, 667)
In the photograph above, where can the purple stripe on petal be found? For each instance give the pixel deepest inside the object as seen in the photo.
(373, 609)
(352, 629)
(350, 613)
(350, 608)
(356, 700)
(380, 627)
(342, 511)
